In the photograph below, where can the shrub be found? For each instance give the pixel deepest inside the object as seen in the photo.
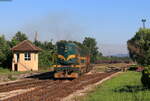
(145, 79)
(133, 67)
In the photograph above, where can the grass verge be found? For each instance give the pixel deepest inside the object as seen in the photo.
(124, 87)
(4, 71)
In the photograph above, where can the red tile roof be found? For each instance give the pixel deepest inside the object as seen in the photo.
(25, 45)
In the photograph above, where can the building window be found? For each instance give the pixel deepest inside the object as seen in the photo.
(27, 56)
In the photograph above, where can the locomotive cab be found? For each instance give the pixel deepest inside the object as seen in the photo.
(69, 63)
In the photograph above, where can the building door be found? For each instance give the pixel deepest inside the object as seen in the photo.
(16, 67)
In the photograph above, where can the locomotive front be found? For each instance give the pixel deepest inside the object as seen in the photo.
(67, 61)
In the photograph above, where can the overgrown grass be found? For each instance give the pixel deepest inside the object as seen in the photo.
(125, 87)
(4, 71)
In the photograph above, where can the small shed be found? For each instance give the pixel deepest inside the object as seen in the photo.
(25, 57)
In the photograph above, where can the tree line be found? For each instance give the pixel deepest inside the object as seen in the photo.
(46, 56)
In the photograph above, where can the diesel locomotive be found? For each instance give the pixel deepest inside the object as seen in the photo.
(72, 60)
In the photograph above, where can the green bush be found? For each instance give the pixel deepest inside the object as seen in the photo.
(45, 59)
(133, 67)
(145, 79)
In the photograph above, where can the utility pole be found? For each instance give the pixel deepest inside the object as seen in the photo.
(143, 20)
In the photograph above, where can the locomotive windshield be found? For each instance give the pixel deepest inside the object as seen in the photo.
(66, 49)
(67, 53)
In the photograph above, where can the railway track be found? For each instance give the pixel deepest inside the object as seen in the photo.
(51, 90)
(22, 85)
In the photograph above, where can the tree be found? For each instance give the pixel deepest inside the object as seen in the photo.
(5, 52)
(5, 48)
(46, 57)
(46, 45)
(91, 44)
(139, 47)
(139, 50)
(19, 37)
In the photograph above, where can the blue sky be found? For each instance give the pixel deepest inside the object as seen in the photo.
(109, 21)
